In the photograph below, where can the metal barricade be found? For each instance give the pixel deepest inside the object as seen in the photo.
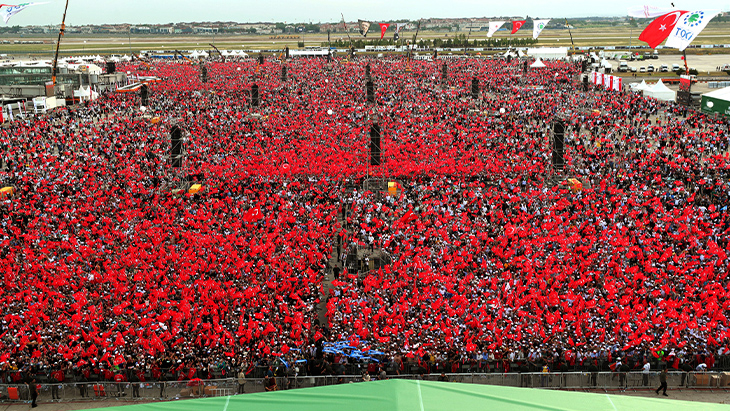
(167, 390)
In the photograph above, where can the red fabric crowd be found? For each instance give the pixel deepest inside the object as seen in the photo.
(103, 266)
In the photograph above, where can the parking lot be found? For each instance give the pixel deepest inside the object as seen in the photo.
(703, 63)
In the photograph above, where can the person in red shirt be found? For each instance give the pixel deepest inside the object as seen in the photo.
(119, 378)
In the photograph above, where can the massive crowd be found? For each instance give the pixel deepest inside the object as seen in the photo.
(494, 260)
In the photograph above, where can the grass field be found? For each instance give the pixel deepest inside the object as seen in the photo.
(107, 44)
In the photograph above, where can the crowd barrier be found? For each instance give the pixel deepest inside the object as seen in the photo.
(177, 390)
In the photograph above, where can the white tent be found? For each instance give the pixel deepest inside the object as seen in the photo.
(640, 87)
(537, 64)
(548, 53)
(198, 53)
(661, 92)
(86, 93)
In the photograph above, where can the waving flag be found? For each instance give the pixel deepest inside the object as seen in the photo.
(538, 26)
(398, 26)
(658, 30)
(253, 215)
(645, 12)
(383, 28)
(494, 26)
(517, 24)
(364, 27)
(689, 27)
(7, 11)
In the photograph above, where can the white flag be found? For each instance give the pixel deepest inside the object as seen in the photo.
(399, 26)
(645, 12)
(493, 27)
(537, 26)
(9, 11)
(689, 27)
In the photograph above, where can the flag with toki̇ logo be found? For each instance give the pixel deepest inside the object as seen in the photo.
(538, 26)
(689, 27)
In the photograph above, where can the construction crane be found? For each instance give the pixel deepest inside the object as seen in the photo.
(58, 44)
(218, 51)
(182, 55)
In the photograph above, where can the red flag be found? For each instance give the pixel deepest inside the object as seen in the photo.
(252, 215)
(517, 24)
(383, 27)
(658, 30)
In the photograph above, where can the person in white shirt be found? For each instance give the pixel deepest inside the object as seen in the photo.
(645, 373)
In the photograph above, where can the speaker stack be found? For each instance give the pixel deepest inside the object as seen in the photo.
(585, 82)
(176, 146)
(111, 67)
(375, 144)
(255, 97)
(144, 94)
(283, 73)
(524, 67)
(435, 54)
(370, 91)
(367, 72)
(286, 50)
(558, 145)
(204, 74)
(475, 88)
(261, 59)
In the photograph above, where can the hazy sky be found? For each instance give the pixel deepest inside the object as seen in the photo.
(173, 11)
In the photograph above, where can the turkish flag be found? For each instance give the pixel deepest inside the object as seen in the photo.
(517, 24)
(252, 215)
(658, 30)
(383, 27)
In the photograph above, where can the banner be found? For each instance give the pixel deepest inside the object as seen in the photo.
(398, 26)
(538, 26)
(689, 27)
(517, 24)
(8, 11)
(494, 26)
(364, 27)
(618, 83)
(645, 12)
(658, 30)
(685, 82)
(383, 28)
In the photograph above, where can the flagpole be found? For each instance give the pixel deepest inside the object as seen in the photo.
(58, 44)
(467, 38)
(344, 25)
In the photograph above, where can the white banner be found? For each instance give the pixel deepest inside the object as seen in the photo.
(689, 27)
(645, 12)
(9, 11)
(617, 83)
(494, 26)
(538, 26)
